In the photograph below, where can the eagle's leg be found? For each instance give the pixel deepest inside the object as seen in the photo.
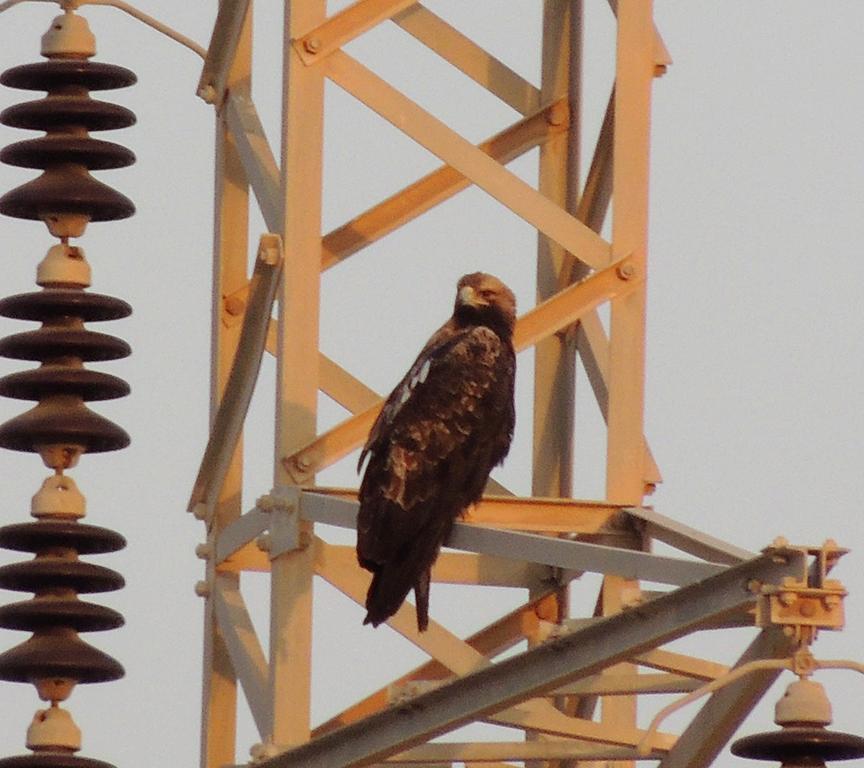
(421, 593)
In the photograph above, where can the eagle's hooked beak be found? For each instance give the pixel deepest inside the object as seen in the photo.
(468, 296)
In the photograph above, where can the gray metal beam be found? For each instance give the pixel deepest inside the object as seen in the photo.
(719, 718)
(546, 550)
(542, 668)
(255, 152)
(222, 50)
(688, 539)
(228, 423)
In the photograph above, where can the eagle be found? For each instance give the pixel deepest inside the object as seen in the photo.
(447, 423)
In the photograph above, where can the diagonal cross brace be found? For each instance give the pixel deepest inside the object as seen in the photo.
(542, 668)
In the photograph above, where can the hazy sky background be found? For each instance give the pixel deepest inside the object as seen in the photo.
(754, 331)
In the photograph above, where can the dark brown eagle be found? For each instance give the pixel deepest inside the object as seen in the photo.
(441, 431)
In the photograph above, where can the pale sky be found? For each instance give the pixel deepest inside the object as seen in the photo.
(754, 321)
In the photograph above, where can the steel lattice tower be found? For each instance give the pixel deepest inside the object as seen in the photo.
(572, 696)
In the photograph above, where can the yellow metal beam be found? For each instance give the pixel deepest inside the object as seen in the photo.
(315, 44)
(297, 384)
(487, 174)
(559, 312)
(219, 693)
(440, 644)
(469, 58)
(438, 186)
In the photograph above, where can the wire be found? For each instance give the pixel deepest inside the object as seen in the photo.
(151, 22)
(126, 8)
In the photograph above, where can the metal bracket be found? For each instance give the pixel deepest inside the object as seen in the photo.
(805, 603)
(283, 533)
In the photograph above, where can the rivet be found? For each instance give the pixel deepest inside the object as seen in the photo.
(207, 93)
(557, 114)
(626, 271)
(202, 589)
(312, 45)
(234, 305)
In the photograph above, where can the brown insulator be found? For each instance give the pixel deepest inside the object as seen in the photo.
(61, 384)
(63, 111)
(55, 150)
(65, 534)
(62, 421)
(48, 572)
(800, 746)
(59, 74)
(66, 196)
(64, 191)
(61, 655)
(61, 427)
(52, 760)
(52, 342)
(44, 612)
(39, 383)
(64, 302)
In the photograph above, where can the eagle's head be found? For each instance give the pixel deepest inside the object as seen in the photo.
(482, 299)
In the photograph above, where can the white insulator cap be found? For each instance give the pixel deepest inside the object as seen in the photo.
(64, 264)
(58, 497)
(804, 703)
(54, 729)
(68, 37)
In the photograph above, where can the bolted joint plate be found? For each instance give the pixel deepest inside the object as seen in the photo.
(807, 600)
(284, 532)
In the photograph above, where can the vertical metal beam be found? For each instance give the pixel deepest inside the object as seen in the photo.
(625, 467)
(554, 358)
(635, 70)
(297, 367)
(230, 239)
(558, 179)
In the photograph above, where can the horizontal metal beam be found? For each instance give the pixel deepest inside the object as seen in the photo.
(473, 752)
(682, 664)
(465, 568)
(227, 424)
(542, 668)
(579, 556)
(527, 513)
(688, 539)
(626, 684)
(545, 550)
